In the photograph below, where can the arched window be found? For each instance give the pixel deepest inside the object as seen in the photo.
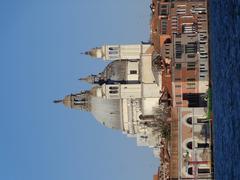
(189, 145)
(189, 120)
(167, 41)
(190, 171)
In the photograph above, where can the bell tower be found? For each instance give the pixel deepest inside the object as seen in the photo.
(79, 101)
(117, 52)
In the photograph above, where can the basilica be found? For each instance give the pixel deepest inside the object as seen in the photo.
(126, 95)
(159, 92)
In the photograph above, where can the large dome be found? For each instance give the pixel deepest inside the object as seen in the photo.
(106, 112)
(115, 71)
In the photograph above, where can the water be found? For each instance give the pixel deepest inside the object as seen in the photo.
(225, 62)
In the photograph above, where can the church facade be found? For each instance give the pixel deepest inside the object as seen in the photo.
(125, 95)
(158, 92)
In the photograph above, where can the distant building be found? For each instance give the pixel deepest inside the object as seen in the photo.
(190, 74)
(180, 36)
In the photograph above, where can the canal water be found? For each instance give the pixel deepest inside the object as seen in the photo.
(225, 66)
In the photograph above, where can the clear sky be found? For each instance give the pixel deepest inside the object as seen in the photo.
(40, 61)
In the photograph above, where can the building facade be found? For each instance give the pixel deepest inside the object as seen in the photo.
(143, 81)
(195, 154)
(180, 36)
(125, 96)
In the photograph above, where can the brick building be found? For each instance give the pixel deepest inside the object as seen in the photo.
(181, 38)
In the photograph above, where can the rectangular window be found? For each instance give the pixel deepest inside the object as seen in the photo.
(178, 86)
(133, 72)
(113, 92)
(190, 50)
(164, 6)
(203, 170)
(191, 85)
(178, 50)
(113, 87)
(179, 95)
(191, 55)
(178, 66)
(164, 26)
(177, 79)
(179, 102)
(191, 47)
(113, 48)
(113, 52)
(191, 79)
(191, 66)
(202, 145)
(188, 28)
(163, 10)
(201, 121)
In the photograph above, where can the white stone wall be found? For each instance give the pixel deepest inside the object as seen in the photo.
(130, 51)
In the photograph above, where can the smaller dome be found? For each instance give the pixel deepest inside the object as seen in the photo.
(92, 53)
(76, 101)
(95, 52)
(116, 70)
(67, 101)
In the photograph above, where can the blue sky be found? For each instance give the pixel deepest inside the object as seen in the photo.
(40, 61)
